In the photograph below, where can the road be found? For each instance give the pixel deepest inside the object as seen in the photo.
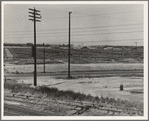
(81, 73)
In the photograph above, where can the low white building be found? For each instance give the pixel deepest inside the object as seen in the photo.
(108, 48)
(117, 49)
(64, 48)
(92, 47)
(113, 48)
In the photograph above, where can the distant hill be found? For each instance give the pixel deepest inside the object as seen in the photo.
(84, 55)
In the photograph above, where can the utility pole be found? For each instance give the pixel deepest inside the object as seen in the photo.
(34, 17)
(82, 44)
(44, 59)
(69, 49)
(136, 43)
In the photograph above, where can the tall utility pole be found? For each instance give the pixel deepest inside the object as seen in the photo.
(44, 59)
(82, 44)
(34, 17)
(69, 50)
(136, 43)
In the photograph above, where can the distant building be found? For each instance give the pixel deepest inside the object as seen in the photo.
(92, 47)
(113, 48)
(63, 47)
(54, 46)
(66, 46)
(77, 47)
(71, 45)
(127, 49)
(84, 47)
(138, 49)
(100, 47)
(108, 48)
(118, 49)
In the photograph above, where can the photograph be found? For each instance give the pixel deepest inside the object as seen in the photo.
(80, 60)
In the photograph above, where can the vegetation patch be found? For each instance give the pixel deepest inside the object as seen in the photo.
(101, 76)
(83, 56)
(54, 93)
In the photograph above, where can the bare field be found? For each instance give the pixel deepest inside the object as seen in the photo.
(106, 87)
(11, 68)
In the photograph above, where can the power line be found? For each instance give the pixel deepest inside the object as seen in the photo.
(28, 25)
(23, 33)
(108, 40)
(109, 13)
(102, 41)
(109, 33)
(119, 25)
(83, 34)
(84, 14)
(85, 30)
(101, 15)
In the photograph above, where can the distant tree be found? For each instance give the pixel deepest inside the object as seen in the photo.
(29, 44)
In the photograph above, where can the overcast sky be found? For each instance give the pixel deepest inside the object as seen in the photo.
(91, 24)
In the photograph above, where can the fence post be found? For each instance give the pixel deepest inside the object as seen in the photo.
(121, 87)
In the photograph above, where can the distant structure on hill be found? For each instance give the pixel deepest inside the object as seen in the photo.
(114, 48)
(108, 48)
(92, 47)
(118, 49)
(85, 47)
(54, 47)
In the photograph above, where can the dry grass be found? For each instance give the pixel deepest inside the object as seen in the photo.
(136, 91)
(68, 95)
(101, 76)
(82, 56)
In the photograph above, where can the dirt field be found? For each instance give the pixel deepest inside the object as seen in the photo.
(101, 87)
(107, 86)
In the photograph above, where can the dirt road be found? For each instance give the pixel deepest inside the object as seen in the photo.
(81, 73)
